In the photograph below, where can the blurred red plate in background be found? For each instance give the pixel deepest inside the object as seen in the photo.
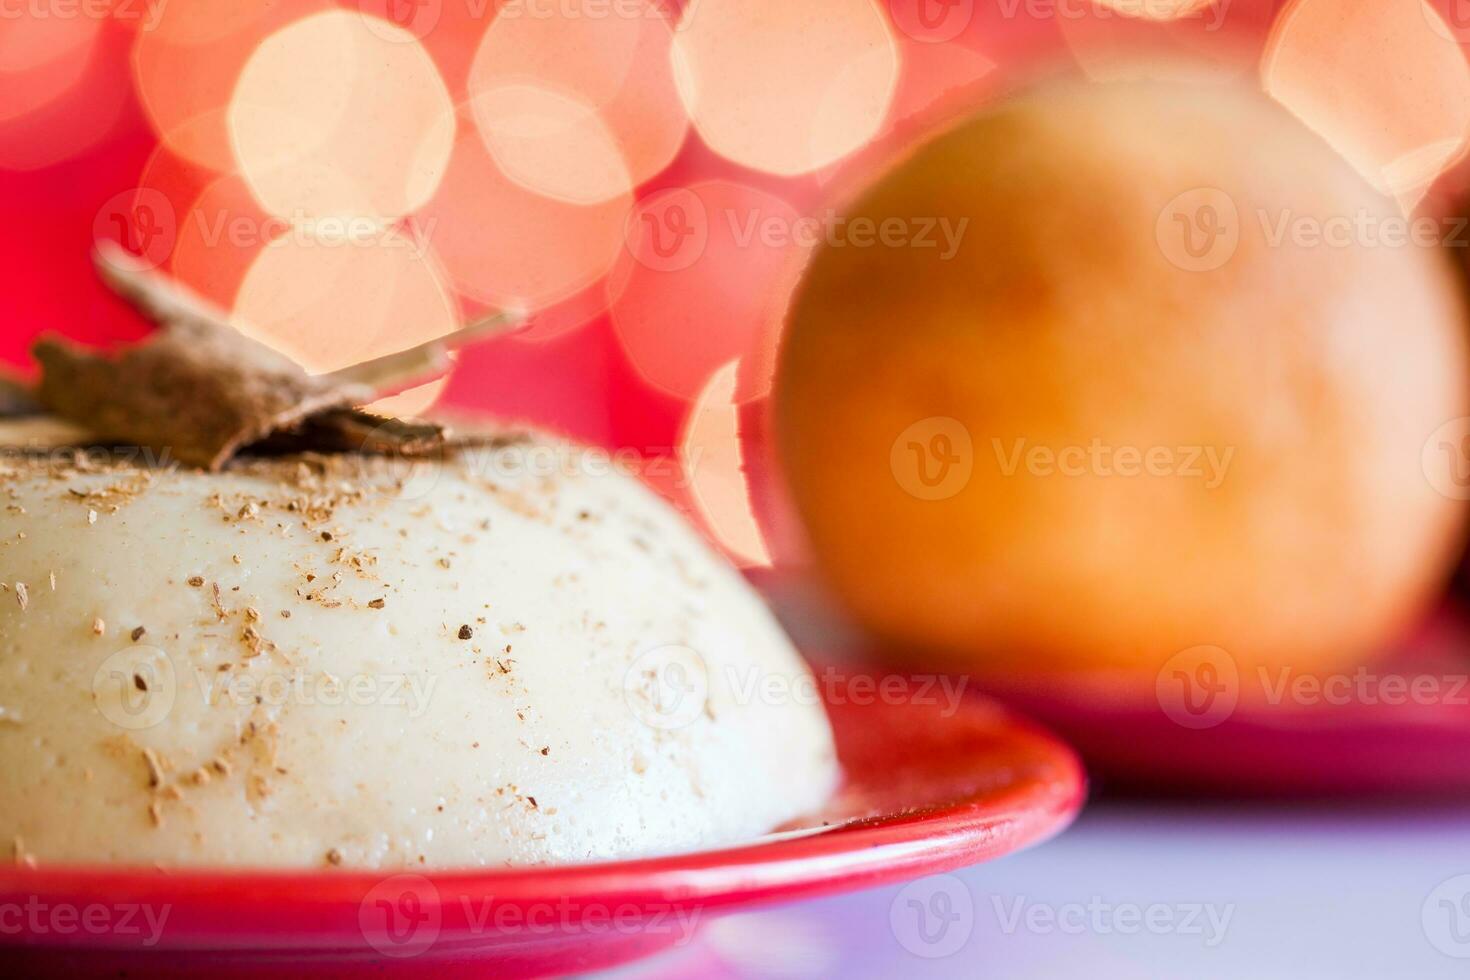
(933, 783)
(1396, 729)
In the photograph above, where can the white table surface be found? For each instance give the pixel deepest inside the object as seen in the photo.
(1143, 890)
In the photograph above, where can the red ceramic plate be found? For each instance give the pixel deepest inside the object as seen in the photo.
(932, 784)
(1397, 728)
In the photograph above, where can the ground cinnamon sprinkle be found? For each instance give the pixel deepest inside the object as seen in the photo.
(164, 781)
(155, 768)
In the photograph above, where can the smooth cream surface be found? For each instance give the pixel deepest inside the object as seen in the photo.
(515, 656)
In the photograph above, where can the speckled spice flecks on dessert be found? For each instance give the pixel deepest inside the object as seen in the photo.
(359, 661)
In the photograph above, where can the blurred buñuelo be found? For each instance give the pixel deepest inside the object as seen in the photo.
(1170, 387)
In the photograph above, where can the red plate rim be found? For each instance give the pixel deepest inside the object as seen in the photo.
(319, 909)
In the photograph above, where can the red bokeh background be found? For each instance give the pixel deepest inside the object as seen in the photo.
(77, 149)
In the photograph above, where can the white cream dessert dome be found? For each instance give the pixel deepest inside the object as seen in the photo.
(373, 663)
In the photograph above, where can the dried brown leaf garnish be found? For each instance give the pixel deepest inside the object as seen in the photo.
(351, 431)
(16, 399)
(202, 391)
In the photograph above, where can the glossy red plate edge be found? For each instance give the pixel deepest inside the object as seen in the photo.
(1340, 752)
(1385, 746)
(905, 751)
